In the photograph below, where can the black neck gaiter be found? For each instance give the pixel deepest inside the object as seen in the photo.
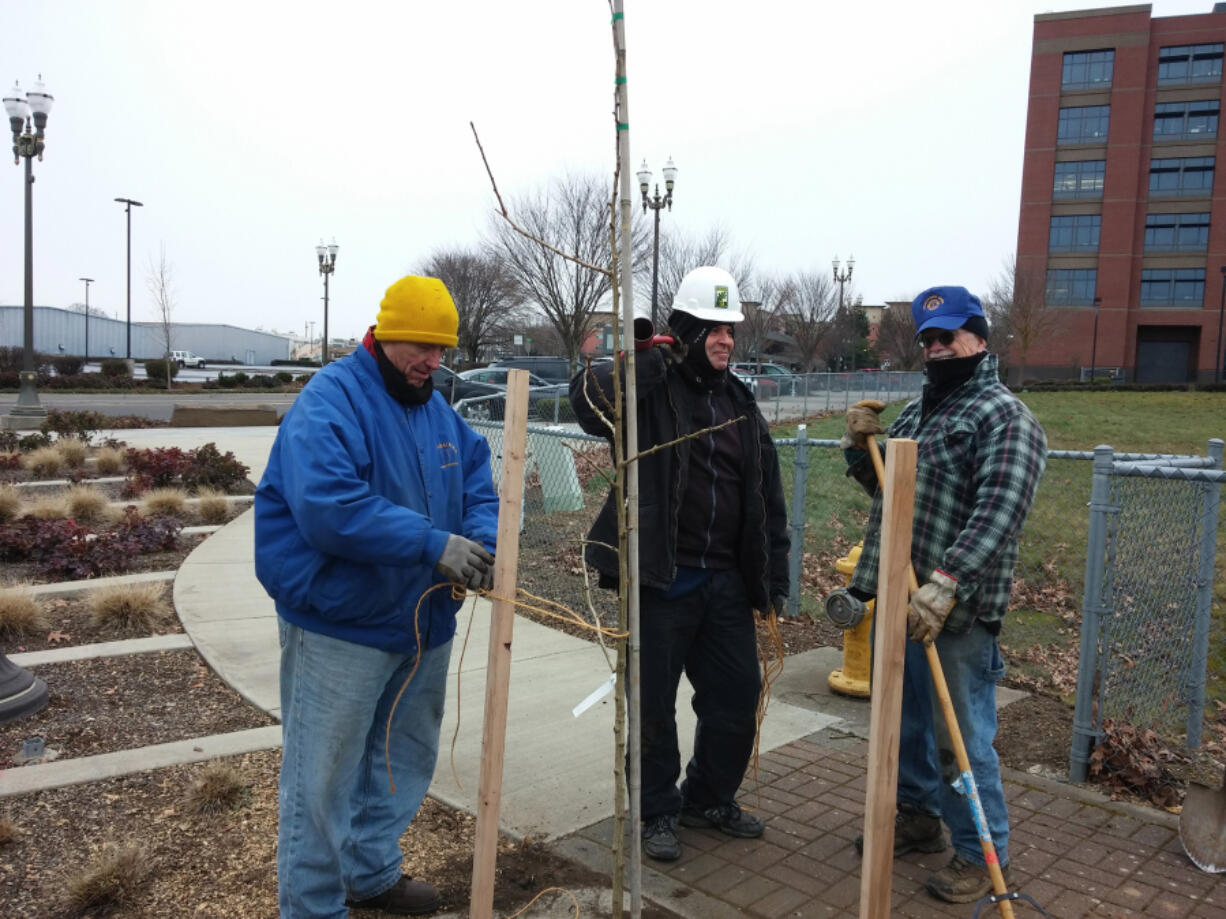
(397, 386)
(945, 376)
(693, 334)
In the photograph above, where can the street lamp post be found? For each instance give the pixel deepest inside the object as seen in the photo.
(88, 281)
(1094, 343)
(656, 202)
(129, 204)
(327, 265)
(841, 279)
(23, 108)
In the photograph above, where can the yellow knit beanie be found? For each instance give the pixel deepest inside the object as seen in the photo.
(420, 310)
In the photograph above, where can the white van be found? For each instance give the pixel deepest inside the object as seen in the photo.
(186, 359)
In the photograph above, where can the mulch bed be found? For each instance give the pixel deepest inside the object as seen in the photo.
(70, 622)
(121, 703)
(28, 572)
(224, 866)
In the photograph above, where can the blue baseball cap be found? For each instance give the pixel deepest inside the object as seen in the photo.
(947, 308)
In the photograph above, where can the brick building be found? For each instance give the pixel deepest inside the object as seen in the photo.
(1123, 222)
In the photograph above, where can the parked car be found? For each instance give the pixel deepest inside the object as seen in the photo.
(762, 387)
(497, 376)
(457, 389)
(786, 382)
(186, 359)
(553, 369)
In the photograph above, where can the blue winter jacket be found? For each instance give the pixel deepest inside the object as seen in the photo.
(356, 504)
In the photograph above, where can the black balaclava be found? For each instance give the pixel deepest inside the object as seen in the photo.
(397, 386)
(692, 332)
(944, 376)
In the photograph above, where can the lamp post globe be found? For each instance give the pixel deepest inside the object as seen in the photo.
(842, 278)
(327, 264)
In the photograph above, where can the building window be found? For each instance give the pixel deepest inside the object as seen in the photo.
(1087, 69)
(1077, 233)
(1182, 175)
(1189, 64)
(1179, 287)
(1071, 286)
(1176, 232)
(1185, 120)
(1083, 124)
(1082, 179)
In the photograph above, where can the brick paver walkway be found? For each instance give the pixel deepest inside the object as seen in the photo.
(1075, 853)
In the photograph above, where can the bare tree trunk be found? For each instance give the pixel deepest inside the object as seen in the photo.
(161, 287)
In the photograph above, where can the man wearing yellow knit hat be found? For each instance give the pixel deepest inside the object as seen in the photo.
(375, 492)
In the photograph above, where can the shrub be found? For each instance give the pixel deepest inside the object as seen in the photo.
(209, 467)
(86, 503)
(83, 425)
(30, 442)
(219, 787)
(48, 507)
(108, 460)
(156, 369)
(67, 365)
(65, 548)
(10, 461)
(115, 369)
(9, 379)
(260, 381)
(230, 381)
(80, 381)
(157, 467)
(72, 451)
(109, 882)
(212, 505)
(129, 608)
(283, 376)
(45, 462)
(8, 830)
(164, 502)
(10, 503)
(21, 615)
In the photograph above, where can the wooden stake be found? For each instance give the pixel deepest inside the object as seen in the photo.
(498, 669)
(889, 649)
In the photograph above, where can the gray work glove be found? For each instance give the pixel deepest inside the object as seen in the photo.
(930, 606)
(862, 422)
(466, 562)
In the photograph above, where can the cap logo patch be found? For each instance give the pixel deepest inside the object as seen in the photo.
(721, 296)
(933, 303)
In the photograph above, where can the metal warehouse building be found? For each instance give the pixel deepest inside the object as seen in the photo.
(59, 331)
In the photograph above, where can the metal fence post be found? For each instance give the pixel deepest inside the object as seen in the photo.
(1091, 604)
(1204, 599)
(800, 484)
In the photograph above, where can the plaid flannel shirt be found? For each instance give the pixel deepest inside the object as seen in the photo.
(981, 454)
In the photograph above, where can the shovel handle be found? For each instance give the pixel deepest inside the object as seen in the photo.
(967, 779)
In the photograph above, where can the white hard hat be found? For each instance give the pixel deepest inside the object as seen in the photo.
(710, 294)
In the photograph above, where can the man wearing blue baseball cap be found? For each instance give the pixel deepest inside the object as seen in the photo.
(981, 455)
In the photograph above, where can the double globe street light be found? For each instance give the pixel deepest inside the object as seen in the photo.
(327, 265)
(842, 279)
(656, 203)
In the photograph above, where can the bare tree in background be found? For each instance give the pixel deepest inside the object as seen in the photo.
(896, 338)
(681, 253)
(574, 215)
(761, 298)
(809, 304)
(1017, 312)
(486, 296)
(161, 288)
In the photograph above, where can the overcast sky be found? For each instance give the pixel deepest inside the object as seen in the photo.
(890, 130)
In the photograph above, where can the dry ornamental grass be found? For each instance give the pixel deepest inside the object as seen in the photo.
(72, 451)
(20, 613)
(212, 505)
(218, 788)
(10, 503)
(164, 502)
(45, 462)
(8, 831)
(108, 461)
(133, 608)
(48, 507)
(110, 881)
(86, 503)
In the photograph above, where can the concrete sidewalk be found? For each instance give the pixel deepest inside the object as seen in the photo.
(1076, 853)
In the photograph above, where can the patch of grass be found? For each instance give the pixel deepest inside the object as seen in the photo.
(8, 830)
(72, 451)
(45, 462)
(109, 882)
(108, 461)
(129, 608)
(10, 503)
(48, 507)
(212, 505)
(218, 787)
(21, 614)
(164, 502)
(86, 503)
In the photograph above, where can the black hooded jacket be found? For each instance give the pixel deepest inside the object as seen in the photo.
(665, 406)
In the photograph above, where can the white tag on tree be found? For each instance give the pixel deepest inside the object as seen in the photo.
(595, 695)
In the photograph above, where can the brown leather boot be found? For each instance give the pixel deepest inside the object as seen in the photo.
(406, 897)
(914, 831)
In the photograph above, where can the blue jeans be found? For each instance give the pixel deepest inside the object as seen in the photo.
(340, 824)
(927, 767)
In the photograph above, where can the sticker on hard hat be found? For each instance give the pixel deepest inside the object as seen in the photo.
(933, 303)
(721, 297)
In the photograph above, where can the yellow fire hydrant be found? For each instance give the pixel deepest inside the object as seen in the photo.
(852, 679)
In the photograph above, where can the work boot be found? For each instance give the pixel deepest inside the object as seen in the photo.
(660, 839)
(727, 818)
(962, 881)
(914, 831)
(406, 897)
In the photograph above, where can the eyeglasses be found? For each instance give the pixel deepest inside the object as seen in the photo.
(944, 336)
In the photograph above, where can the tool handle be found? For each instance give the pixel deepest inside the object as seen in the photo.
(955, 735)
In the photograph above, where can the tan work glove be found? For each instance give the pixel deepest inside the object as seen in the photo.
(930, 606)
(862, 422)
